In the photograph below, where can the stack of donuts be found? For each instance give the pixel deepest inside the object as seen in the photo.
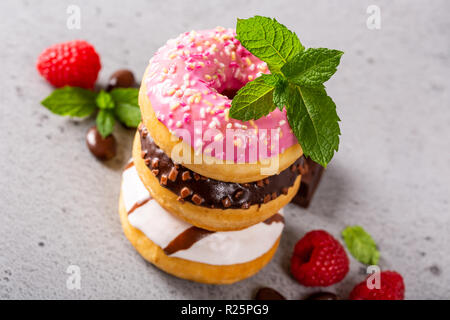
(196, 201)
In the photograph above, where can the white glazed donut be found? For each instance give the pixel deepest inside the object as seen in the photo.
(214, 248)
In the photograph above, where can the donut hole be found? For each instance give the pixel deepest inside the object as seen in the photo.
(231, 88)
(230, 93)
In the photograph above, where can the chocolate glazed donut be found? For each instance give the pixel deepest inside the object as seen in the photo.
(211, 193)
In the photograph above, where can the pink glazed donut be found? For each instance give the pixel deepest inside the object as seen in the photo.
(185, 99)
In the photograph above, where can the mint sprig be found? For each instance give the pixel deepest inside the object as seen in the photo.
(296, 83)
(119, 103)
(361, 245)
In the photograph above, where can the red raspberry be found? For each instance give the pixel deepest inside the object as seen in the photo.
(319, 260)
(391, 288)
(73, 63)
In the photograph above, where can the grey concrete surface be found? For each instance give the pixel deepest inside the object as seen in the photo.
(391, 175)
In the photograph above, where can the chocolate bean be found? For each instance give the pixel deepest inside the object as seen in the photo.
(101, 148)
(260, 183)
(268, 294)
(164, 179)
(322, 296)
(122, 78)
(155, 172)
(267, 198)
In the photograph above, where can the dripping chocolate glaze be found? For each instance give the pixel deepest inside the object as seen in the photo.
(138, 204)
(203, 191)
(275, 218)
(186, 239)
(189, 237)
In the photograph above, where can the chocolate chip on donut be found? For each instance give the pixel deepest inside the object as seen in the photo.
(238, 194)
(144, 132)
(226, 202)
(185, 192)
(155, 163)
(197, 199)
(185, 176)
(164, 180)
(173, 174)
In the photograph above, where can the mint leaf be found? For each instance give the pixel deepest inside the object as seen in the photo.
(253, 101)
(312, 67)
(361, 245)
(269, 40)
(105, 122)
(312, 116)
(127, 108)
(71, 101)
(104, 100)
(272, 79)
(279, 96)
(280, 83)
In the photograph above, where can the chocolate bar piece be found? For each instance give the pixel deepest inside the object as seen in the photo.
(310, 181)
